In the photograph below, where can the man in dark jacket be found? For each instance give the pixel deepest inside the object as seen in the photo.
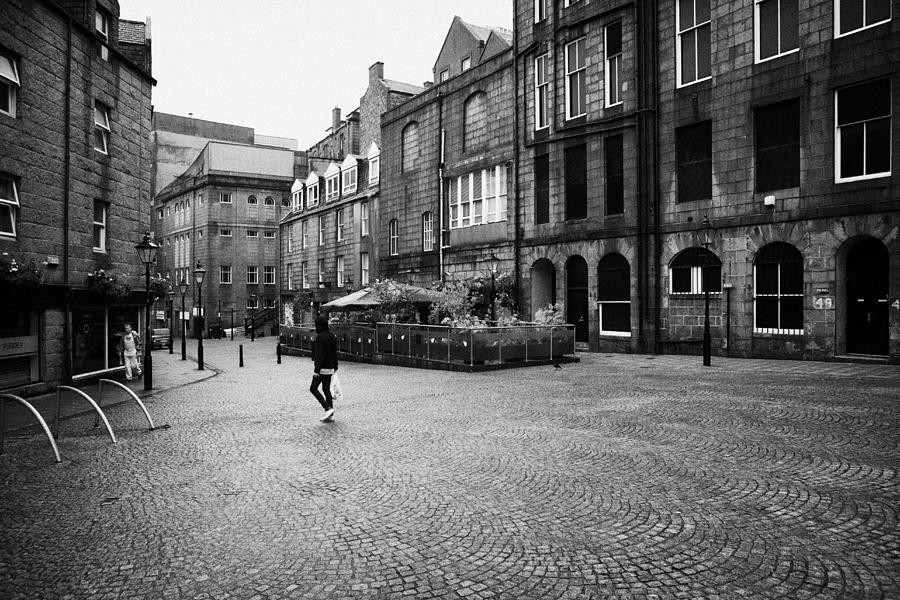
(325, 364)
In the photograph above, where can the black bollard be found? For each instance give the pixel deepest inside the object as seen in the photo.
(278, 351)
(241, 352)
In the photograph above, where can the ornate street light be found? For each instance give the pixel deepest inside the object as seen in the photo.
(170, 308)
(146, 250)
(492, 263)
(183, 288)
(708, 230)
(253, 298)
(199, 274)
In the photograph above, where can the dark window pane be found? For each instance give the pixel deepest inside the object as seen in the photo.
(712, 278)
(703, 52)
(851, 14)
(542, 189)
(791, 277)
(878, 146)
(615, 180)
(614, 39)
(616, 317)
(777, 146)
(688, 58)
(613, 275)
(4, 96)
(789, 25)
(702, 10)
(863, 102)
(6, 220)
(576, 182)
(852, 150)
(877, 10)
(685, 14)
(694, 182)
(98, 229)
(767, 278)
(792, 313)
(694, 162)
(768, 28)
(681, 280)
(767, 312)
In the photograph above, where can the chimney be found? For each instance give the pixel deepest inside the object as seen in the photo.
(376, 71)
(427, 84)
(335, 119)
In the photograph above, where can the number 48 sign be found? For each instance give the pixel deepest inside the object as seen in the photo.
(823, 302)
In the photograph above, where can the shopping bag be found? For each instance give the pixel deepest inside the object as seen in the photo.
(337, 392)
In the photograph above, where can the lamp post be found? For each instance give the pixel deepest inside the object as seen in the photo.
(170, 308)
(146, 250)
(492, 262)
(199, 274)
(707, 340)
(182, 287)
(253, 298)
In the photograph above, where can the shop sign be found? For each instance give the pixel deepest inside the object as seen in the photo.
(15, 346)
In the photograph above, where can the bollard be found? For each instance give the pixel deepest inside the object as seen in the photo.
(278, 352)
(241, 352)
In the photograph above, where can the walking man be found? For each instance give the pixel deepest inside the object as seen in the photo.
(324, 365)
(130, 347)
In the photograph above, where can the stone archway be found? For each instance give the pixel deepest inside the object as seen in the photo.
(543, 285)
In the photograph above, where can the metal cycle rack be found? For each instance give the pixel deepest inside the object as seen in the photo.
(3, 399)
(130, 393)
(69, 388)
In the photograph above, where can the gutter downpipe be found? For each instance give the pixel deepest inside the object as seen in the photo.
(67, 170)
(517, 251)
(441, 139)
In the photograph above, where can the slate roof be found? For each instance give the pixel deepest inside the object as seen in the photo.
(132, 32)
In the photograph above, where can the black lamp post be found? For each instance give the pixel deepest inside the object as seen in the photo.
(493, 262)
(199, 274)
(146, 250)
(253, 317)
(170, 301)
(183, 287)
(707, 340)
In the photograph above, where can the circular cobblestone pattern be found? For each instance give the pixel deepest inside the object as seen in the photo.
(622, 477)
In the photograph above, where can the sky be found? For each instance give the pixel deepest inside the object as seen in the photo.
(281, 66)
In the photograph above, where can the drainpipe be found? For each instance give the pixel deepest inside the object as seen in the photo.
(441, 140)
(517, 242)
(67, 328)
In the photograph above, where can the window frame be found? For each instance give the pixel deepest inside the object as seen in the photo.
(837, 19)
(339, 225)
(332, 188)
(541, 92)
(12, 205)
(474, 210)
(364, 219)
(322, 226)
(304, 274)
(427, 231)
(252, 233)
(692, 256)
(320, 268)
(225, 198)
(540, 10)
(693, 30)
(689, 163)
(765, 178)
(613, 65)
(222, 232)
(349, 180)
(103, 225)
(757, 33)
(304, 234)
(268, 275)
(102, 129)
(225, 275)
(374, 170)
(11, 81)
(465, 64)
(364, 268)
(779, 296)
(394, 237)
(269, 234)
(580, 73)
(602, 292)
(839, 134)
(252, 275)
(339, 265)
(252, 200)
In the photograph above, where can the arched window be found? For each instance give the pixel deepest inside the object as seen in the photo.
(543, 285)
(394, 233)
(474, 121)
(252, 200)
(691, 268)
(410, 146)
(428, 231)
(270, 201)
(614, 295)
(778, 290)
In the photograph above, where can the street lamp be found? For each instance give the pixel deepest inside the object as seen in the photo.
(199, 274)
(146, 250)
(169, 308)
(253, 317)
(183, 287)
(493, 262)
(707, 240)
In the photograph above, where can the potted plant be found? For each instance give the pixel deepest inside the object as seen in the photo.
(15, 274)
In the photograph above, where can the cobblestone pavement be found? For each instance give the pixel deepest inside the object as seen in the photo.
(618, 477)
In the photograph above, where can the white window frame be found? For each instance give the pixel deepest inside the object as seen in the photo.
(312, 196)
(348, 180)
(837, 19)
(445, 75)
(269, 201)
(304, 234)
(477, 209)
(101, 127)
(364, 219)
(541, 92)
(224, 233)
(465, 64)
(252, 303)
(225, 275)
(10, 204)
(290, 238)
(606, 332)
(691, 31)
(339, 225)
(569, 3)
(613, 66)
(427, 231)
(838, 149)
(363, 268)
(252, 274)
(339, 268)
(253, 200)
(332, 188)
(394, 237)
(101, 23)
(757, 34)
(540, 10)
(374, 169)
(320, 267)
(102, 224)
(252, 233)
(779, 295)
(696, 283)
(579, 73)
(269, 234)
(224, 198)
(9, 77)
(304, 274)
(268, 275)
(297, 200)
(321, 230)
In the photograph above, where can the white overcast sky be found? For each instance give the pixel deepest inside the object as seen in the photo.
(280, 66)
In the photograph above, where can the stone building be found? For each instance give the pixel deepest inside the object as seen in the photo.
(75, 87)
(448, 158)
(327, 238)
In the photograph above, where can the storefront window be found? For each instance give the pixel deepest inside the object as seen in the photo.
(94, 336)
(19, 346)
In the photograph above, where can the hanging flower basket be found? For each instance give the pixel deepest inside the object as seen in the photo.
(15, 274)
(108, 285)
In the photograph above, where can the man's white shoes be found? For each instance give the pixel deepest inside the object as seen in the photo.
(328, 415)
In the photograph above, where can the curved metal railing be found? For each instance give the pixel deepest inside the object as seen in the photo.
(3, 399)
(89, 399)
(130, 393)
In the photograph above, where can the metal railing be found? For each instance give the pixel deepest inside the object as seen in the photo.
(33, 410)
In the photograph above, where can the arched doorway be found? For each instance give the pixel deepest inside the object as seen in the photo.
(867, 298)
(577, 297)
(543, 284)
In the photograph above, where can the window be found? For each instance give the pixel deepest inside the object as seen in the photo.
(445, 75)
(168, 210)
(339, 224)
(348, 180)
(410, 146)
(224, 198)
(225, 274)
(270, 201)
(297, 200)
(364, 268)
(332, 189)
(394, 233)
(542, 189)
(614, 295)
(374, 166)
(777, 137)
(613, 75)
(304, 274)
(200, 233)
(777, 30)
(200, 198)
(252, 200)
(101, 128)
(224, 233)
(693, 41)
(540, 10)
(269, 234)
(252, 233)
(576, 182)
(466, 64)
(252, 301)
(320, 267)
(321, 230)
(778, 283)
(570, 2)
(615, 175)
(304, 235)
(541, 91)
(475, 121)
(575, 74)
(101, 24)
(364, 219)
(863, 137)
(252, 274)
(312, 194)
(9, 206)
(428, 231)
(290, 238)
(159, 213)
(694, 268)
(853, 15)
(478, 197)
(268, 302)
(269, 275)
(694, 155)
(339, 267)
(285, 203)
(289, 271)
(9, 84)
(101, 213)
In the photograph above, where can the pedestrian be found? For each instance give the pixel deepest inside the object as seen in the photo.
(130, 347)
(325, 364)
